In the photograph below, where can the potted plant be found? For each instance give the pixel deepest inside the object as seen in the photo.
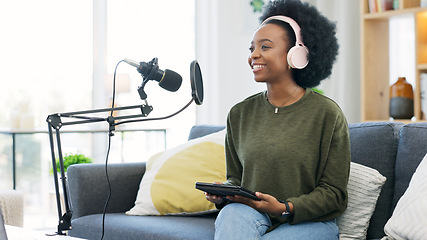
(70, 159)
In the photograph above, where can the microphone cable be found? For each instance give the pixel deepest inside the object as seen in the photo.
(110, 134)
(158, 118)
(114, 87)
(109, 187)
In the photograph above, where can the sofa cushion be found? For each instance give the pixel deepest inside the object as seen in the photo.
(412, 148)
(384, 136)
(121, 226)
(167, 186)
(409, 218)
(364, 187)
(89, 189)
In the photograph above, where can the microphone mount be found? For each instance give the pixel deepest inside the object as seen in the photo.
(152, 69)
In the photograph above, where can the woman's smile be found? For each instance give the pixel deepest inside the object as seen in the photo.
(257, 68)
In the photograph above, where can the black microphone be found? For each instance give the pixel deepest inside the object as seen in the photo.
(167, 79)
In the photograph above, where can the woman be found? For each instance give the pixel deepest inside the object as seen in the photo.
(289, 143)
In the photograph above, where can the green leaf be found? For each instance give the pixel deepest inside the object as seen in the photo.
(257, 5)
(318, 90)
(70, 159)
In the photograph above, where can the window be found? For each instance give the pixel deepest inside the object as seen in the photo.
(46, 59)
(142, 30)
(402, 49)
(48, 66)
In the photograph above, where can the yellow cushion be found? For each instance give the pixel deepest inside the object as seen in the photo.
(167, 186)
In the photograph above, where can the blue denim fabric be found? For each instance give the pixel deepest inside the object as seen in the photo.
(239, 221)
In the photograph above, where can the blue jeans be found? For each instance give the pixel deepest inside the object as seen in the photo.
(239, 221)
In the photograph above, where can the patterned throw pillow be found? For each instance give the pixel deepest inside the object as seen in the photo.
(409, 219)
(364, 187)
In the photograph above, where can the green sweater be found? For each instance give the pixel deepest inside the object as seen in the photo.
(301, 154)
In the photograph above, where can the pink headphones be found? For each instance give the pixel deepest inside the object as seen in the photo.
(298, 54)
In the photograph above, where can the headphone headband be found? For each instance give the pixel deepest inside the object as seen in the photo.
(290, 21)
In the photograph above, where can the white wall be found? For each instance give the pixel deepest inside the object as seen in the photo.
(224, 30)
(223, 33)
(344, 84)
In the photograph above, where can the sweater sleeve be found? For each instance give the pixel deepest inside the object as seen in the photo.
(329, 199)
(233, 164)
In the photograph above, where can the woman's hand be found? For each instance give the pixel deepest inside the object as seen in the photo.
(214, 198)
(268, 203)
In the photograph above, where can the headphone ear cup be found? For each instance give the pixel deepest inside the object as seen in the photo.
(298, 57)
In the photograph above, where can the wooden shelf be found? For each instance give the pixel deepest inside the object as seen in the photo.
(422, 67)
(392, 13)
(375, 52)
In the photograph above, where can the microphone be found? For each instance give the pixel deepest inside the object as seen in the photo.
(167, 79)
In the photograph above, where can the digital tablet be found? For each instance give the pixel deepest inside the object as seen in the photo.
(225, 190)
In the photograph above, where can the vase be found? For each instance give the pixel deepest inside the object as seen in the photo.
(401, 99)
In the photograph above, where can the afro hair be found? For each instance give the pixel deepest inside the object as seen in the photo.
(318, 34)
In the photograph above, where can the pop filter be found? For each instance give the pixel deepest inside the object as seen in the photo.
(196, 82)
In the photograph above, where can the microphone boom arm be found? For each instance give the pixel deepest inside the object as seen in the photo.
(55, 122)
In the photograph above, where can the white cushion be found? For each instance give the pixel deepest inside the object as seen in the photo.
(167, 186)
(12, 207)
(364, 187)
(409, 219)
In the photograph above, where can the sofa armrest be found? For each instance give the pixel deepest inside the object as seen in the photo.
(88, 187)
(203, 130)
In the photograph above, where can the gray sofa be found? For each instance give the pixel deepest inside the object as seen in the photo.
(394, 149)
